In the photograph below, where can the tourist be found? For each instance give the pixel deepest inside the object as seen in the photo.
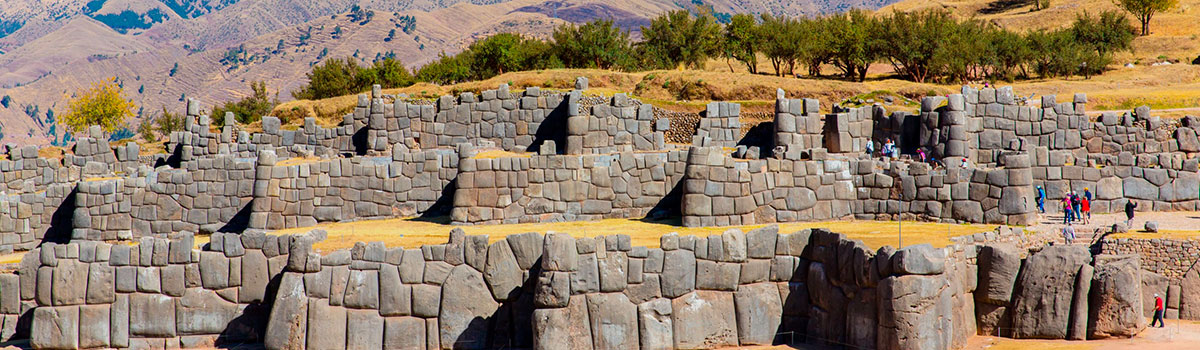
(1077, 205)
(1087, 194)
(921, 153)
(1086, 204)
(1066, 208)
(1068, 233)
(1158, 312)
(1041, 199)
(870, 148)
(1129, 207)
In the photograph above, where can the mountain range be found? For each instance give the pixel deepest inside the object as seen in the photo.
(164, 51)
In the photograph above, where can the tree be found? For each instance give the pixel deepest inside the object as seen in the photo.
(1143, 10)
(249, 109)
(742, 41)
(853, 42)
(1110, 32)
(595, 44)
(7, 100)
(447, 69)
(912, 39)
(504, 52)
(676, 38)
(104, 104)
(388, 73)
(780, 49)
(336, 77)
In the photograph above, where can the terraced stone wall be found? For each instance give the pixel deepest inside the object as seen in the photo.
(548, 187)
(160, 293)
(559, 292)
(720, 190)
(345, 189)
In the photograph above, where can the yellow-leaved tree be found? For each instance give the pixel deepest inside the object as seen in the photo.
(103, 104)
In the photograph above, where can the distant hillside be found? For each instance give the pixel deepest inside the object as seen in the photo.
(163, 51)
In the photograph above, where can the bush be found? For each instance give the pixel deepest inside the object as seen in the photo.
(104, 104)
(596, 44)
(675, 38)
(249, 109)
(337, 77)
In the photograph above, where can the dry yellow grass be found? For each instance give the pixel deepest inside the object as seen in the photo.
(496, 153)
(298, 161)
(416, 232)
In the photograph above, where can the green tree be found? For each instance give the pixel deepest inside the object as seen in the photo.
(742, 41)
(388, 73)
(1110, 32)
(250, 108)
(595, 44)
(676, 38)
(1010, 52)
(505, 52)
(853, 42)
(104, 104)
(335, 77)
(1144, 10)
(912, 39)
(447, 69)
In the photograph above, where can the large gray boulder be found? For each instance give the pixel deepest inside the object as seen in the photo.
(655, 329)
(1042, 306)
(1116, 297)
(614, 321)
(287, 325)
(55, 328)
(912, 310)
(920, 259)
(1077, 328)
(999, 265)
(679, 273)
(201, 311)
(704, 320)
(326, 325)
(151, 315)
(501, 271)
(759, 311)
(465, 300)
(565, 328)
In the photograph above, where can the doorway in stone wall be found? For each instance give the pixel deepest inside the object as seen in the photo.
(910, 134)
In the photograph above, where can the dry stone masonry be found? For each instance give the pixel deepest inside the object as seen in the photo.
(505, 156)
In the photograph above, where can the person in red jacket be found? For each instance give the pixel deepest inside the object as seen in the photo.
(1158, 311)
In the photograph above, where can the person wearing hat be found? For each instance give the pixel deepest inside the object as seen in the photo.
(1158, 311)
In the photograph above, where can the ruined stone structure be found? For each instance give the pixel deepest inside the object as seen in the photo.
(502, 156)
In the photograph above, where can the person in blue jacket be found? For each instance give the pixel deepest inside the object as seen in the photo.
(1041, 200)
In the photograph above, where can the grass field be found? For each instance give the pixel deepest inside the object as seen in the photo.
(416, 232)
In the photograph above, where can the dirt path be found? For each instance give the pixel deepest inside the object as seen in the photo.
(1177, 335)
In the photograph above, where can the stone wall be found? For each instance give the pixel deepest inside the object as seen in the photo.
(547, 187)
(345, 189)
(160, 293)
(559, 292)
(719, 126)
(720, 190)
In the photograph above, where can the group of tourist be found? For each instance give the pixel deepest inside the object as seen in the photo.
(888, 150)
(1075, 207)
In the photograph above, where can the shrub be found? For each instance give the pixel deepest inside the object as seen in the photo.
(104, 104)
(249, 109)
